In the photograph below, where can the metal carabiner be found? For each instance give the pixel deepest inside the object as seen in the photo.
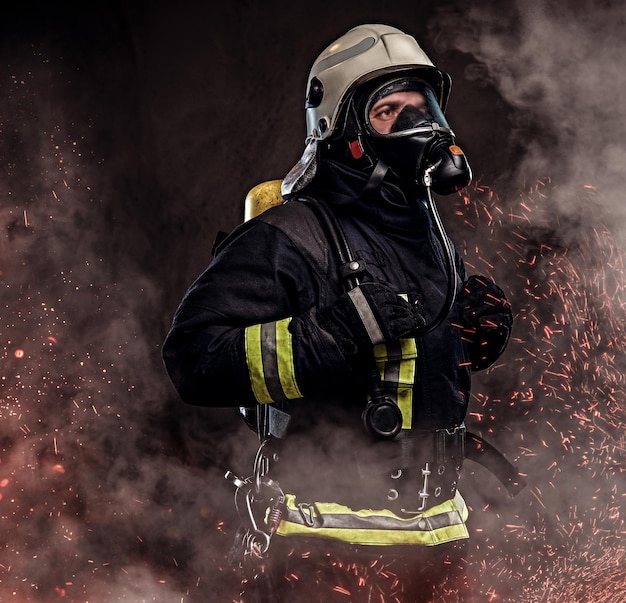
(257, 490)
(258, 540)
(260, 467)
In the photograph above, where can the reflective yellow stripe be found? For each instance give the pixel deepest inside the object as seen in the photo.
(443, 523)
(380, 353)
(254, 360)
(269, 356)
(409, 349)
(284, 352)
(329, 508)
(403, 368)
(380, 537)
(407, 376)
(405, 402)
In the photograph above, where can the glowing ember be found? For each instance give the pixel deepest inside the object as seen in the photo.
(558, 401)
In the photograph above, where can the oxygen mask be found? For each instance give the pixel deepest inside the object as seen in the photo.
(407, 130)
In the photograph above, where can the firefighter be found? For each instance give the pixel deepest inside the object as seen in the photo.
(341, 322)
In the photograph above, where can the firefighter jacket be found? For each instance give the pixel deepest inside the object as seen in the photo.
(246, 335)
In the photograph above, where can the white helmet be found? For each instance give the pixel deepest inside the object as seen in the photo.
(363, 53)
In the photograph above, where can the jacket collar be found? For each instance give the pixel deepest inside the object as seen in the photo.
(387, 206)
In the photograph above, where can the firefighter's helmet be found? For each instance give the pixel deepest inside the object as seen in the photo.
(366, 52)
(363, 53)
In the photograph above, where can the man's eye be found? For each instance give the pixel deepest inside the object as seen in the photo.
(384, 113)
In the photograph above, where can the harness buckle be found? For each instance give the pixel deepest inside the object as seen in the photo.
(423, 494)
(307, 511)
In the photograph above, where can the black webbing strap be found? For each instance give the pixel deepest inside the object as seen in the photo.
(482, 452)
(300, 224)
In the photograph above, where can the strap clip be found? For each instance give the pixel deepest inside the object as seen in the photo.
(352, 269)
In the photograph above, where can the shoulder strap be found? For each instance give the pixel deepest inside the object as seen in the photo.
(300, 224)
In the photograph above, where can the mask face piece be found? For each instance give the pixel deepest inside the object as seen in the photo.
(407, 129)
(402, 108)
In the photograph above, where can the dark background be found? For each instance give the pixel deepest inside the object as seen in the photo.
(130, 134)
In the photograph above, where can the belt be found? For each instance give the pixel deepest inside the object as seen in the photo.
(425, 468)
(419, 469)
(423, 472)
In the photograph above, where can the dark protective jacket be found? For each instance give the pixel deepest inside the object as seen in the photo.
(246, 333)
(259, 276)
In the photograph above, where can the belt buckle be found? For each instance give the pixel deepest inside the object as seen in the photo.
(307, 512)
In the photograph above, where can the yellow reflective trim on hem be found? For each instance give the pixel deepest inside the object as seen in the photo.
(455, 509)
(378, 537)
(447, 506)
(254, 360)
(286, 366)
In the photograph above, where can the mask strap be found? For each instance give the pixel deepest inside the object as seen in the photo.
(376, 178)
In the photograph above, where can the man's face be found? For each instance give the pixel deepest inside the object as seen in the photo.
(385, 111)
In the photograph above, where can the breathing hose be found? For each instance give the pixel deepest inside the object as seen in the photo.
(382, 416)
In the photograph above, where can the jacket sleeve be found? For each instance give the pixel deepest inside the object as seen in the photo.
(487, 320)
(246, 330)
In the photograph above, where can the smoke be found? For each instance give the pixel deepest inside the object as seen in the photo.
(552, 234)
(97, 500)
(558, 66)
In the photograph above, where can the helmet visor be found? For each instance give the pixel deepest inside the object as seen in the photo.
(403, 107)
